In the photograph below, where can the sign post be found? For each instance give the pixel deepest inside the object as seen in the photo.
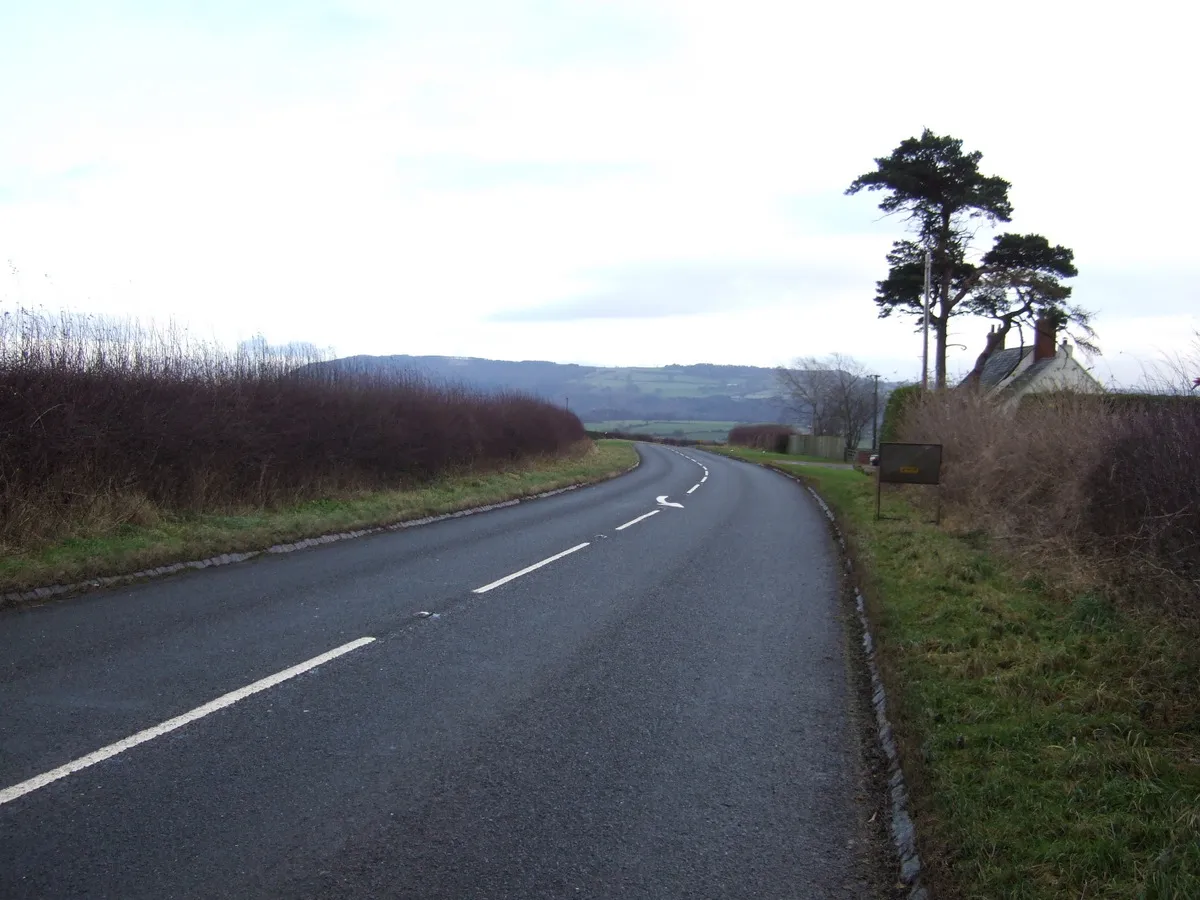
(901, 463)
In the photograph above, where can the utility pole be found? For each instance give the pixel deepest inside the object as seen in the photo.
(925, 333)
(875, 417)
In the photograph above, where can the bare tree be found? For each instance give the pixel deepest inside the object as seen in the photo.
(834, 393)
(806, 387)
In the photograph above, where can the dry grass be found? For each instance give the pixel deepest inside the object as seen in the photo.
(105, 424)
(1091, 493)
(161, 538)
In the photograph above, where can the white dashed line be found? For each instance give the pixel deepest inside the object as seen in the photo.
(693, 487)
(19, 790)
(697, 462)
(638, 519)
(537, 565)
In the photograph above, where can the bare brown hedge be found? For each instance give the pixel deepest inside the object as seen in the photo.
(100, 419)
(761, 437)
(1144, 499)
(1103, 488)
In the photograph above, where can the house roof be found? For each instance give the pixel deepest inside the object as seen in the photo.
(1021, 381)
(1000, 365)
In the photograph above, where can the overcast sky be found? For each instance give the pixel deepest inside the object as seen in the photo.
(615, 183)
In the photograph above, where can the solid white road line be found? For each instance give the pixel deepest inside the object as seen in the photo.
(693, 487)
(545, 562)
(638, 519)
(40, 781)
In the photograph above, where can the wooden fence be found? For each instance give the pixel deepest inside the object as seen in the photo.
(825, 446)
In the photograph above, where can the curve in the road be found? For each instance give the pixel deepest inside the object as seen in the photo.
(595, 694)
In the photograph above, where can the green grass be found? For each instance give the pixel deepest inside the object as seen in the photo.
(129, 548)
(661, 387)
(668, 384)
(694, 430)
(1052, 743)
(764, 456)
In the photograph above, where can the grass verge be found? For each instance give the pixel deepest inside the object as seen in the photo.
(1052, 743)
(130, 548)
(766, 456)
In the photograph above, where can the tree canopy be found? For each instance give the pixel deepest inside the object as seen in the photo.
(943, 195)
(937, 185)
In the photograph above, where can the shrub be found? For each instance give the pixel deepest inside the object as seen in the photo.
(761, 437)
(893, 413)
(100, 419)
(1096, 487)
(1144, 501)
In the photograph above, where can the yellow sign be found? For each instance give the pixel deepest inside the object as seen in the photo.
(909, 470)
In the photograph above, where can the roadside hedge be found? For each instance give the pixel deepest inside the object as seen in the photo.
(898, 402)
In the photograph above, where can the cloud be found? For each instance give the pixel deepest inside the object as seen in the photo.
(462, 173)
(605, 177)
(661, 291)
(833, 213)
(31, 187)
(1115, 293)
(573, 34)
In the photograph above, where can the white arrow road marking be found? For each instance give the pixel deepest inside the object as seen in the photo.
(662, 501)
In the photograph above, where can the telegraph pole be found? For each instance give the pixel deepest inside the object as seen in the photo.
(875, 417)
(925, 334)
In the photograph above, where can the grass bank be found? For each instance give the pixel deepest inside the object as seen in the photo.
(767, 456)
(173, 538)
(1051, 741)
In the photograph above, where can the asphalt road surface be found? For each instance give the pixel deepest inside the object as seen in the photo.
(661, 710)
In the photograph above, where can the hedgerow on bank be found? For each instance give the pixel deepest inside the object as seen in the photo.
(761, 437)
(104, 422)
(1103, 490)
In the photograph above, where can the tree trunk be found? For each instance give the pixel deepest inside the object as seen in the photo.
(994, 339)
(973, 378)
(943, 330)
(942, 327)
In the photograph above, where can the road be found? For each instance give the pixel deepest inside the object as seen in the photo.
(663, 711)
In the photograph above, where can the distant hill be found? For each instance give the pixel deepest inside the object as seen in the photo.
(697, 393)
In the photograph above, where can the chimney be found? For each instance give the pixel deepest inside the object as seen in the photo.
(995, 340)
(1044, 341)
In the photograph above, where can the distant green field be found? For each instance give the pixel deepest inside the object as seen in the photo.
(696, 431)
(676, 384)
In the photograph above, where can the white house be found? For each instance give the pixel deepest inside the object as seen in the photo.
(1010, 374)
